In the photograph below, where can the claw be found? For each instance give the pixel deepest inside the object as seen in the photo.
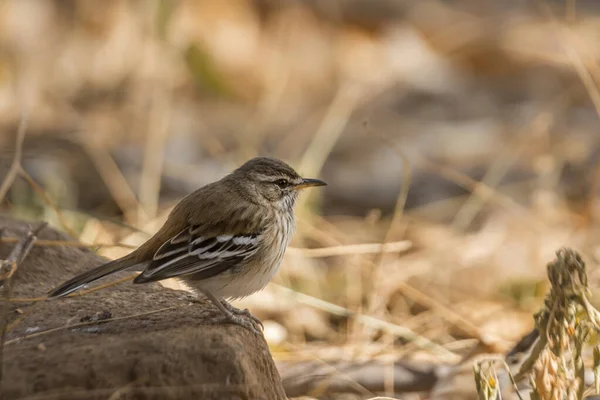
(245, 312)
(241, 321)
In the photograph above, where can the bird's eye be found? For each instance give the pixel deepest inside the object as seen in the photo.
(282, 183)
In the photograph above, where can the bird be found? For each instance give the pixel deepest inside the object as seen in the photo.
(225, 240)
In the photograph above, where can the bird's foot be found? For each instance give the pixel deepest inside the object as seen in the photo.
(242, 321)
(244, 313)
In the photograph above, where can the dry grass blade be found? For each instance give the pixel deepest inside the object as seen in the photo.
(15, 166)
(571, 10)
(75, 294)
(113, 178)
(60, 328)
(277, 70)
(381, 398)
(154, 156)
(398, 211)
(40, 191)
(329, 132)
(39, 300)
(577, 62)
(388, 327)
(406, 180)
(479, 189)
(352, 249)
(497, 170)
(336, 377)
(440, 309)
(100, 287)
(409, 291)
(444, 312)
(322, 385)
(68, 243)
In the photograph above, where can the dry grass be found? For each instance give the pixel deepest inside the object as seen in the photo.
(397, 286)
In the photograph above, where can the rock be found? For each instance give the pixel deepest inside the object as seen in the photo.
(118, 345)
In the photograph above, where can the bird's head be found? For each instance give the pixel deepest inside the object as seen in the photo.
(273, 181)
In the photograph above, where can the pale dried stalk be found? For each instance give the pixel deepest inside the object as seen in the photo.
(60, 328)
(42, 193)
(352, 249)
(154, 156)
(113, 178)
(15, 167)
(75, 294)
(388, 327)
(397, 217)
(566, 323)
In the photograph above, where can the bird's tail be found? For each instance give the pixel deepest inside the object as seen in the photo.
(77, 282)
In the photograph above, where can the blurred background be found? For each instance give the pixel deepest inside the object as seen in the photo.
(464, 133)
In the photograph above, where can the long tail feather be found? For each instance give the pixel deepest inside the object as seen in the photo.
(77, 282)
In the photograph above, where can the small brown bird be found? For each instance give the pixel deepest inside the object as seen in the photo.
(226, 240)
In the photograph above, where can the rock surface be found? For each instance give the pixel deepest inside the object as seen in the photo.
(176, 350)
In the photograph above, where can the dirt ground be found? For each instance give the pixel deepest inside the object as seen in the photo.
(136, 341)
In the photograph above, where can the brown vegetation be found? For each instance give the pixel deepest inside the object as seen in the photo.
(461, 135)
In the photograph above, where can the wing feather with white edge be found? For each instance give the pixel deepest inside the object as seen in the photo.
(189, 253)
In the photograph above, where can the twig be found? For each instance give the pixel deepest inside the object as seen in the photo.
(15, 167)
(18, 253)
(8, 267)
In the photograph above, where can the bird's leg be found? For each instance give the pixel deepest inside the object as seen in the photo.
(232, 316)
(245, 312)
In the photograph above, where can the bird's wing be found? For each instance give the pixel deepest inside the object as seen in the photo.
(203, 255)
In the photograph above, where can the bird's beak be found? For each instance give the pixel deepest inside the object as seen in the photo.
(309, 182)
